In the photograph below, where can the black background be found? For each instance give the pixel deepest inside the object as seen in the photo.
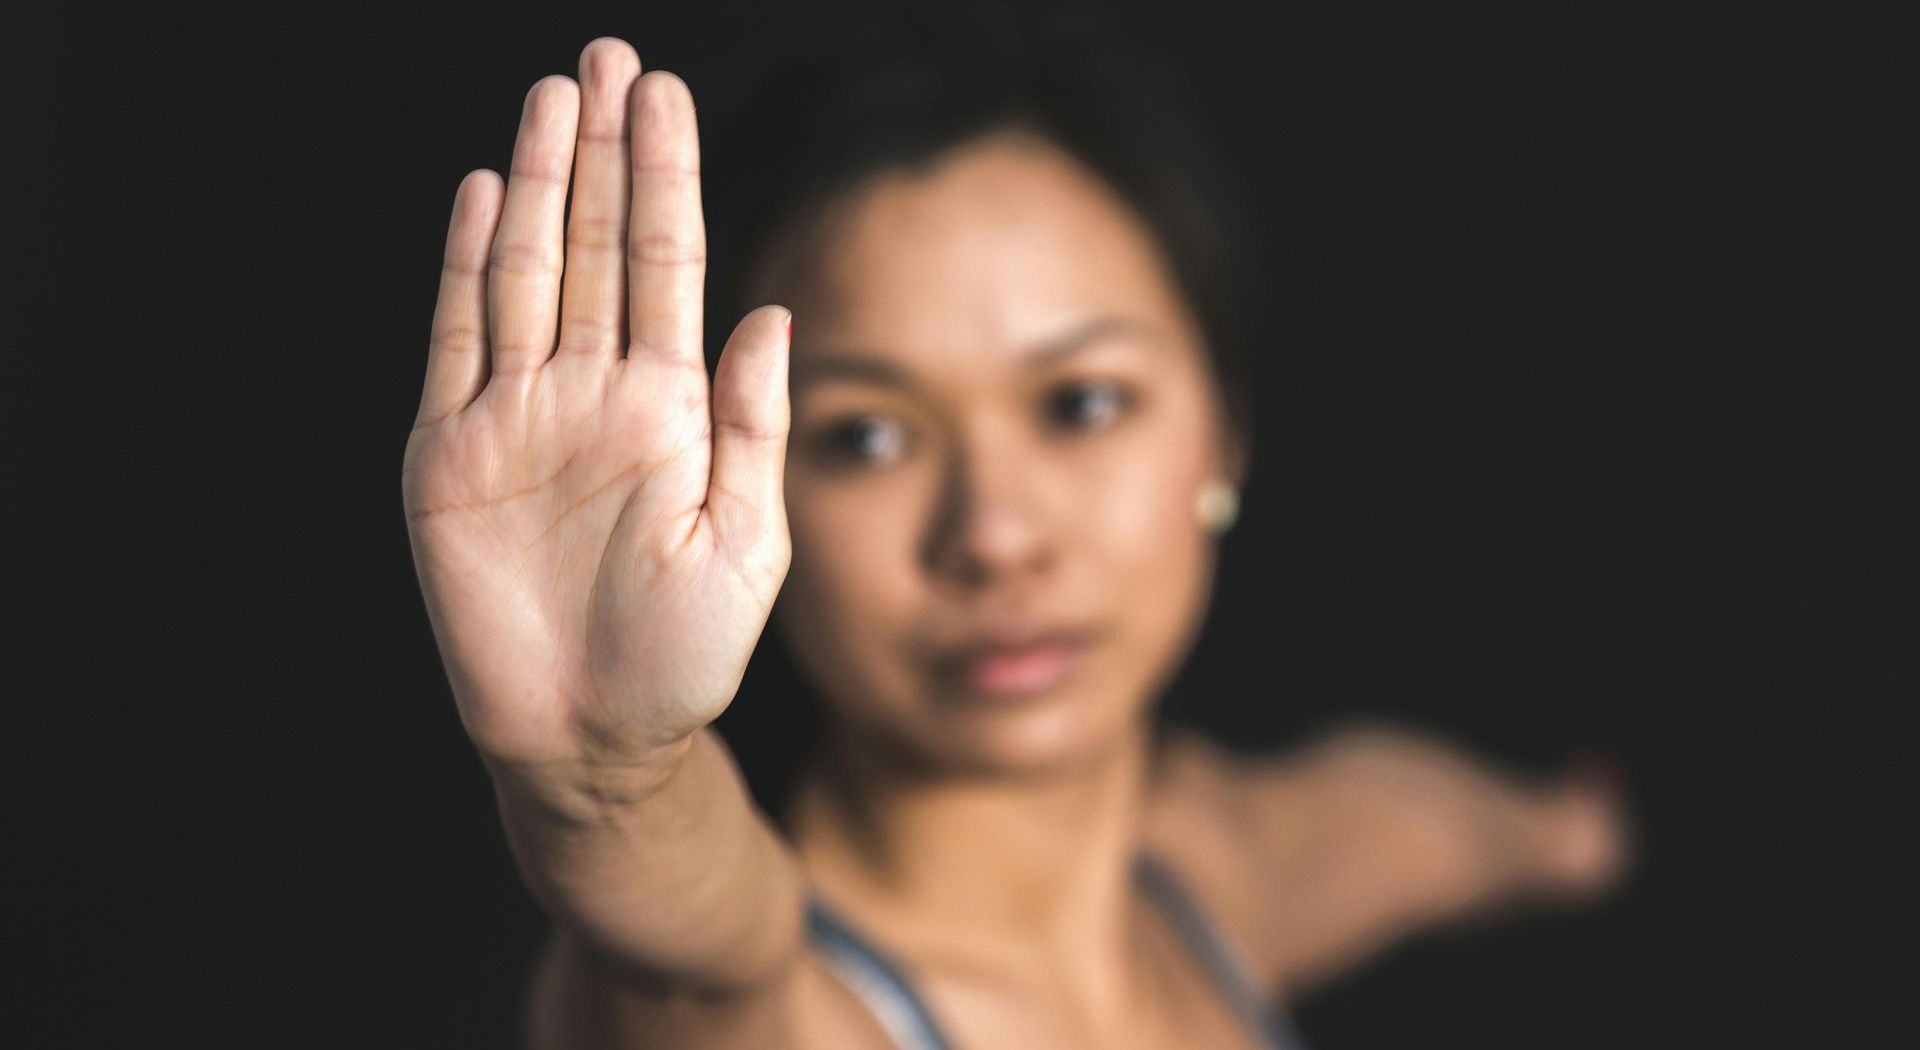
(1579, 428)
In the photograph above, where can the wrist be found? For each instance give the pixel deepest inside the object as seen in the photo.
(585, 790)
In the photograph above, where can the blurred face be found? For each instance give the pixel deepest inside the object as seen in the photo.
(1002, 418)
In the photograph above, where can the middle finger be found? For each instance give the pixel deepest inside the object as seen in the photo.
(667, 240)
(593, 302)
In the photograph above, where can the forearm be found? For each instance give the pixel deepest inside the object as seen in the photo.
(667, 873)
(1406, 832)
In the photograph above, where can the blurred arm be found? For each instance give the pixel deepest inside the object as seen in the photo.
(1374, 834)
(676, 903)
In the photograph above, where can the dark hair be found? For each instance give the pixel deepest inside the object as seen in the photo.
(791, 134)
(788, 140)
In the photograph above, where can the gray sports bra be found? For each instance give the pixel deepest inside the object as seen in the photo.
(884, 986)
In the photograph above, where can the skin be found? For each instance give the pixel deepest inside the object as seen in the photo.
(600, 536)
(1040, 444)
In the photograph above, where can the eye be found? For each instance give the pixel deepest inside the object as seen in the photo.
(862, 439)
(1088, 405)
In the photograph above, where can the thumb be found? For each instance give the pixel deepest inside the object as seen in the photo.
(751, 419)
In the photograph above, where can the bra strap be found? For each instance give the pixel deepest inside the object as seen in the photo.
(883, 986)
(1227, 966)
(876, 979)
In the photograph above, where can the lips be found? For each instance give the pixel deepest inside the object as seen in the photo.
(1015, 664)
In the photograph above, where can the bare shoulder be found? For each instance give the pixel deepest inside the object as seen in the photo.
(1206, 807)
(1318, 857)
(1285, 850)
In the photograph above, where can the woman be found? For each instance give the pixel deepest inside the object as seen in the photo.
(985, 472)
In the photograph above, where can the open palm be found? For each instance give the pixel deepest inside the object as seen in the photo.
(598, 539)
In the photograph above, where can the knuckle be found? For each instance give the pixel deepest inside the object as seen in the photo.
(662, 175)
(523, 259)
(585, 333)
(661, 249)
(457, 339)
(514, 356)
(596, 234)
(739, 429)
(658, 353)
(542, 166)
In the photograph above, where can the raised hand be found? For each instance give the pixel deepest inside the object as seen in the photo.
(598, 539)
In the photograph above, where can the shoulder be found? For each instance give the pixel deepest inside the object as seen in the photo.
(1203, 803)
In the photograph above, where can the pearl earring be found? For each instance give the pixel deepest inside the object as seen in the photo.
(1217, 506)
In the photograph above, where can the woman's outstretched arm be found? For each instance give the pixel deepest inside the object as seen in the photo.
(599, 536)
(678, 916)
(1332, 853)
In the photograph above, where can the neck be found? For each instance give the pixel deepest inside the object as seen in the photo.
(978, 865)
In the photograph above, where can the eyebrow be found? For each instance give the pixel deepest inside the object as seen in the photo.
(874, 368)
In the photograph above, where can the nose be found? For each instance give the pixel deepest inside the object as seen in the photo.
(991, 526)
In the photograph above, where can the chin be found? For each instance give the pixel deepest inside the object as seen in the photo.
(1031, 737)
